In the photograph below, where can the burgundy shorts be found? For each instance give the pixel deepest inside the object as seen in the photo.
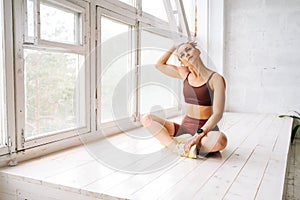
(189, 125)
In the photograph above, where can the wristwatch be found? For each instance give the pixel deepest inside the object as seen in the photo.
(199, 131)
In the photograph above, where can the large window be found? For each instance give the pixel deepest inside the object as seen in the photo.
(54, 87)
(65, 66)
(3, 117)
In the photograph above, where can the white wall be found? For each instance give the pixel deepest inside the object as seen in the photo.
(262, 55)
(210, 33)
(216, 36)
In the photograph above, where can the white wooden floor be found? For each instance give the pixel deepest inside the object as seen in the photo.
(253, 166)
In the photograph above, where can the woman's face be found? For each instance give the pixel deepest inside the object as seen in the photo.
(187, 53)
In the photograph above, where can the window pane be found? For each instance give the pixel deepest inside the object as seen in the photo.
(156, 8)
(129, 2)
(60, 25)
(3, 119)
(30, 18)
(189, 7)
(54, 92)
(157, 91)
(116, 65)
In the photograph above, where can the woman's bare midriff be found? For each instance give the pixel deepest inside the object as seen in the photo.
(198, 112)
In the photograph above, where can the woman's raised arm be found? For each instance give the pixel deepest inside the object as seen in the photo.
(168, 69)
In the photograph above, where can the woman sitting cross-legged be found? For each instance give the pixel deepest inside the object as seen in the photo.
(204, 94)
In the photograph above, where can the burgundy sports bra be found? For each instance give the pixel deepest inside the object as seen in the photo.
(201, 95)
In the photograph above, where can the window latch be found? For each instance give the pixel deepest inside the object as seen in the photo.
(9, 145)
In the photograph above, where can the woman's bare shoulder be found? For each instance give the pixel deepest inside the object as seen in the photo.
(183, 72)
(217, 79)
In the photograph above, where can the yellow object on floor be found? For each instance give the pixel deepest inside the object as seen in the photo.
(180, 146)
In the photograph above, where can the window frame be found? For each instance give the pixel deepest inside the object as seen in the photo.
(38, 43)
(126, 17)
(10, 146)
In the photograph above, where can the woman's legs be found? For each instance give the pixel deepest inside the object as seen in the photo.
(160, 128)
(164, 130)
(213, 141)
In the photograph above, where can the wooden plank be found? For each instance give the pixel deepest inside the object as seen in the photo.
(104, 184)
(187, 185)
(50, 165)
(138, 141)
(160, 184)
(80, 176)
(272, 185)
(247, 182)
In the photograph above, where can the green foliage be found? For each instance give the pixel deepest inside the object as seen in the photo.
(50, 88)
(295, 129)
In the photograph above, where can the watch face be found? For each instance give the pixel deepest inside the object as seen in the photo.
(200, 131)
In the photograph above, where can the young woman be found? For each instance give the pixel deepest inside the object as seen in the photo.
(204, 94)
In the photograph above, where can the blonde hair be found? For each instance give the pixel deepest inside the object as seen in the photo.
(193, 43)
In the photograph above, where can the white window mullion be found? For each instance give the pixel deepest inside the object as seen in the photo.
(8, 140)
(19, 72)
(55, 48)
(61, 47)
(9, 63)
(98, 67)
(119, 7)
(137, 75)
(37, 22)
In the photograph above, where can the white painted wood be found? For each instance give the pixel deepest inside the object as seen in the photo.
(28, 190)
(121, 8)
(254, 170)
(106, 183)
(9, 74)
(160, 184)
(217, 186)
(56, 146)
(19, 72)
(83, 7)
(276, 169)
(208, 169)
(252, 165)
(80, 176)
(53, 164)
(93, 71)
